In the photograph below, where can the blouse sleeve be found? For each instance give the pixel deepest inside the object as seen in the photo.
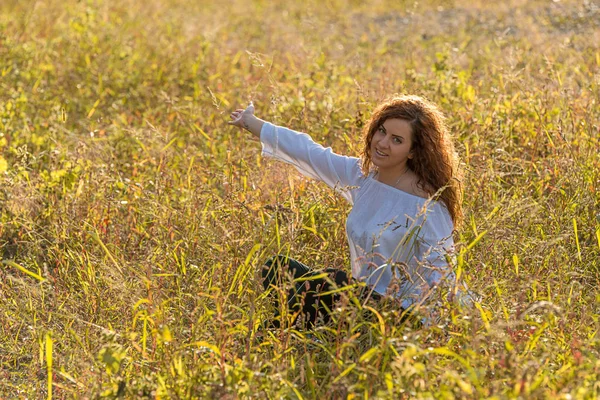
(311, 159)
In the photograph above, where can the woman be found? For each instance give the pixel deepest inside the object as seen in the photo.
(405, 196)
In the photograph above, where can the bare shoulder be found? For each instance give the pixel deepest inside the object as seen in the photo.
(420, 191)
(413, 186)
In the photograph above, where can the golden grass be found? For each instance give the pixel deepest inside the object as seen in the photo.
(134, 219)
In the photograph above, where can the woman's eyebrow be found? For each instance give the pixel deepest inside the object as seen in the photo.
(385, 131)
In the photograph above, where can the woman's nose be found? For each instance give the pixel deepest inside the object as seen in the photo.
(383, 142)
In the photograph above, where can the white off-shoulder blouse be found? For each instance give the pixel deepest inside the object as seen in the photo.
(399, 242)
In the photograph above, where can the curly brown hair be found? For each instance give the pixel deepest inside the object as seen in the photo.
(435, 161)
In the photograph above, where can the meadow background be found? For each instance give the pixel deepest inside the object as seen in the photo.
(133, 219)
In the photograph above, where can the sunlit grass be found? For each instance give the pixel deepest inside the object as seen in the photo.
(134, 219)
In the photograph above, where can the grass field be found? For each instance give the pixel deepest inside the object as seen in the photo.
(133, 219)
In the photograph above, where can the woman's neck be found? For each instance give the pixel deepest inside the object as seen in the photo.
(392, 177)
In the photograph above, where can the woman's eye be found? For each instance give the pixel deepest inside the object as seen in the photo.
(397, 140)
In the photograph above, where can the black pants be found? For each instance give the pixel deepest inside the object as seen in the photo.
(308, 292)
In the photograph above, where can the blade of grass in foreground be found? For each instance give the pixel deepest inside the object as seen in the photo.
(49, 364)
(24, 270)
(96, 237)
(577, 239)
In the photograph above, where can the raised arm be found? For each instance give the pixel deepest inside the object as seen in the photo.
(311, 159)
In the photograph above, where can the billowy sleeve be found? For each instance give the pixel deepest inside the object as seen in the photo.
(313, 160)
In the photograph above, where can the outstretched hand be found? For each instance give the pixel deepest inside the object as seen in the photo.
(247, 120)
(238, 116)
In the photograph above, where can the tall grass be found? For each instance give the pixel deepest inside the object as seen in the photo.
(134, 220)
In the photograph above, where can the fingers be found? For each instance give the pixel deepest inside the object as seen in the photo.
(237, 114)
(236, 117)
(241, 110)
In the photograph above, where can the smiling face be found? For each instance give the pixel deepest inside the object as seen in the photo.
(391, 146)
(432, 163)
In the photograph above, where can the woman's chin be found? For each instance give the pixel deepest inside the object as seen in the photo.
(377, 162)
